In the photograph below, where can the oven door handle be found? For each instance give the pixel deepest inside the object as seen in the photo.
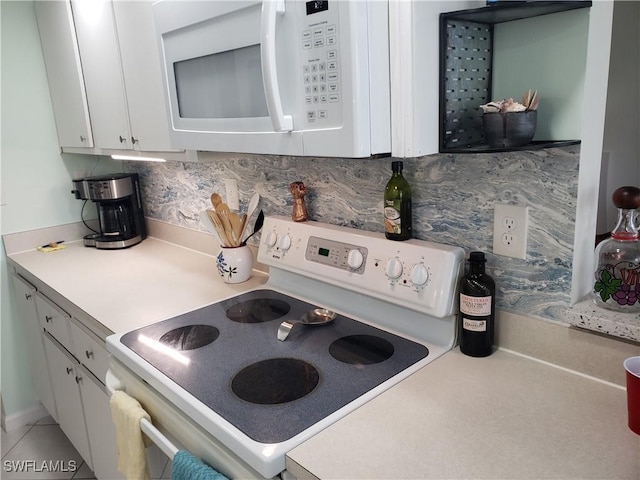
(112, 384)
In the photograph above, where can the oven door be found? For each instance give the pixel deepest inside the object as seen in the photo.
(171, 430)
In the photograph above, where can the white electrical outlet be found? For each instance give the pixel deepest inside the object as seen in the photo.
(233, 198)
(510, 229)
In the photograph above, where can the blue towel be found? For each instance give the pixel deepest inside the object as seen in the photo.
(187, 467)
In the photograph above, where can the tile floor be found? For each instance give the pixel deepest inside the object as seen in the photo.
(42, 452)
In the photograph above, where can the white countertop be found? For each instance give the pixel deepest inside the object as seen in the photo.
(504, 416)
(125, 289)
(499, 417)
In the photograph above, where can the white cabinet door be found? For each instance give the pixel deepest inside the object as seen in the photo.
(64, 73)
(25, 299)
(65, 377)
(142, 70)
(102, 433)
(98, 44)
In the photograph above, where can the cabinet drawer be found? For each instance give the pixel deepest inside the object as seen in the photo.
(89, 350)
(54, 320)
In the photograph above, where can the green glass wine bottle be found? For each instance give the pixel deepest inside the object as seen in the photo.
(397, 205)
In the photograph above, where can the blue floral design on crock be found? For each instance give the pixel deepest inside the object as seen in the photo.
(223, 268)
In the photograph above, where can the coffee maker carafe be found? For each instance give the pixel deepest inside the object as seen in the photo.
(120, 214)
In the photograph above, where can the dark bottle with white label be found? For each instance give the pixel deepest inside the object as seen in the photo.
(397, 206)
(477, 309)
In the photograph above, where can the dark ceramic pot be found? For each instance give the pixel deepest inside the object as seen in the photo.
(509, 129)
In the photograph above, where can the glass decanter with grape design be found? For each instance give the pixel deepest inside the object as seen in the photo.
(617, 276)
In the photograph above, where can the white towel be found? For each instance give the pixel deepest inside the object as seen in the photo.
(126, 413)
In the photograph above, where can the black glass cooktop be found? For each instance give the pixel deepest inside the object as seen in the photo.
(228, 357)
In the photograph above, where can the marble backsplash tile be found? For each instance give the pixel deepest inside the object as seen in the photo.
(453, 198)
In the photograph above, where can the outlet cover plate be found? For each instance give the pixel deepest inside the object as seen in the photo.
(510, 230)
(233, 197)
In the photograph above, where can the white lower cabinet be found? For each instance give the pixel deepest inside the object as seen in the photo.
(68, 366)
(38, 365)
(97, 412)
(65, 379)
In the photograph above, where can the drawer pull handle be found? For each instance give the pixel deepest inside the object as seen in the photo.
(88, 354)
(69, 370)
(78, 380)
(27, 296)
(48, 318)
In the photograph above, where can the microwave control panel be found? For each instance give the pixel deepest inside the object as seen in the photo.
(321, 74)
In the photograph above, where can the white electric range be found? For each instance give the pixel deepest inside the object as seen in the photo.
(222, 382)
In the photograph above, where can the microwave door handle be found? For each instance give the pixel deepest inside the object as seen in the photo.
(270, 10)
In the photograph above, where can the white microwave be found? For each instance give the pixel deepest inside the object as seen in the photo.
(307, 78)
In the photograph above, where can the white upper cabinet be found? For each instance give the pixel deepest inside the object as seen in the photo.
(121, 66)
(64, 73)
(98, 43)
(142, 75)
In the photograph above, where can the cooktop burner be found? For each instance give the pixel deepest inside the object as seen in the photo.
(277, 380)
(271, 390)
(361, 349)
(190, 337)
(258, 310)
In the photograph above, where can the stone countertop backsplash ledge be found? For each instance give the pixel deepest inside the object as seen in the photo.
(586, 314)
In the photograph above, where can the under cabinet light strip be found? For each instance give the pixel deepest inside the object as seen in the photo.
(139, 159)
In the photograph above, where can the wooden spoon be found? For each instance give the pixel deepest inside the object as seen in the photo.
(213, 216)
(226, 224)
(216, 199)
(236, 227)
(224, 213)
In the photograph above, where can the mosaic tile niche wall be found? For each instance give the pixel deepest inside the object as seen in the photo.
(453, 198)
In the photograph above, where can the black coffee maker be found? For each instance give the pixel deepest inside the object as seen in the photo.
(117, 198)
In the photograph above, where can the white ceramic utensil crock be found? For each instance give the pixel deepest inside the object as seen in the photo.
(235, 264)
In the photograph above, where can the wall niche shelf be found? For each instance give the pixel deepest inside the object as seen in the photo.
(466, 56)
(534, 145)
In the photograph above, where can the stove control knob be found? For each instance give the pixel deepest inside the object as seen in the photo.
(419, 274)
(355, 259)
(394, 268)
(270, 239)
(285, 242)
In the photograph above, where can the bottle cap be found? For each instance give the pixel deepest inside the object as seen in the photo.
(396, 166)
(627, 198)
(477, 257)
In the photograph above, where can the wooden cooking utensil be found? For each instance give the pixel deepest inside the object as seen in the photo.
(226, 224)
(236, 227)
(213, 216)
(215, 199)
(224, 213)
